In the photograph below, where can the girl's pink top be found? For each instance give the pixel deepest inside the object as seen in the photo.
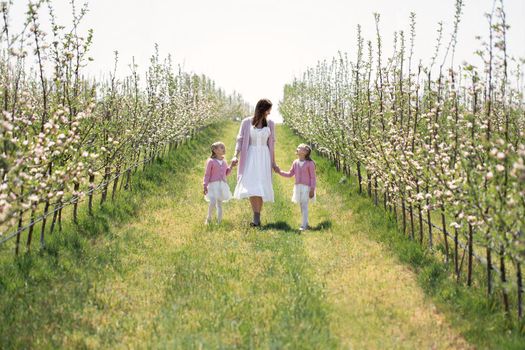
(243, 141)
(215, 171)
(304, 175)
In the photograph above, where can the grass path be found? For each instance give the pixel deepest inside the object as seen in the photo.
(160, 279)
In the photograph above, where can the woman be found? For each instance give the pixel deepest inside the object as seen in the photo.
(255, 144)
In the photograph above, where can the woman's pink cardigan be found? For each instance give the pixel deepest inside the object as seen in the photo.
(243, 142)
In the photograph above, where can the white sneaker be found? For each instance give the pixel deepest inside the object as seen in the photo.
(207, 222)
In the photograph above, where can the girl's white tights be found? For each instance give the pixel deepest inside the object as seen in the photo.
(304, 212)
(215, 204)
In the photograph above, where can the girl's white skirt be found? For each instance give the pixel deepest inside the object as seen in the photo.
(301, 194)
(218, 190)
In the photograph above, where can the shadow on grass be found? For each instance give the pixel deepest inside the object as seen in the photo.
(323, 225)
(284, 226)
(278, 226)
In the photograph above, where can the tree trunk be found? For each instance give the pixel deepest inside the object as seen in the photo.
(31, 227)
(91, 194)
(411, 211)
(420, 215)
(375, 191)
(20, 221)
(42, 231)
(46, 210)
(456, 253)
(489, 272)
(430, 237)
(403, 210)
(105, 187)
(504, 279)
(60, 220)
(55, 215)
(519, 281)
(359, 178)
(445, 235)
(128, 180)
(115, 183)
(470, 254)
(75, 204)
(369, 182)
(395, 209)
(121, 183)
(137, 161)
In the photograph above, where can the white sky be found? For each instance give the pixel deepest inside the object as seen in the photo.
(255, 46)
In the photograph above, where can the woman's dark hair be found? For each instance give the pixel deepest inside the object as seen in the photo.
(260, 110)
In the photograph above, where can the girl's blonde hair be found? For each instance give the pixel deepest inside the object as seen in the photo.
(308, 149)
(214, 146)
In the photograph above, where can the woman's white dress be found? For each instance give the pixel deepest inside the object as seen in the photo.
(256, 179)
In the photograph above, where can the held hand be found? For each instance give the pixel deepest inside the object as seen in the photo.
(312, 193)
(205, 190)
(276, 168)
(234, 161)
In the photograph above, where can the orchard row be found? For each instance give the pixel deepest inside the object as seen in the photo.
(440, 145)
(65, 137)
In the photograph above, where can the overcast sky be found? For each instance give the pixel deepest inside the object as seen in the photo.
(255, 47)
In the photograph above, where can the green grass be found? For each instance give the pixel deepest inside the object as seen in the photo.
(146, 273)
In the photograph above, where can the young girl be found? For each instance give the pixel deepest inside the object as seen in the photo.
(216, 190)
(303, 168)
